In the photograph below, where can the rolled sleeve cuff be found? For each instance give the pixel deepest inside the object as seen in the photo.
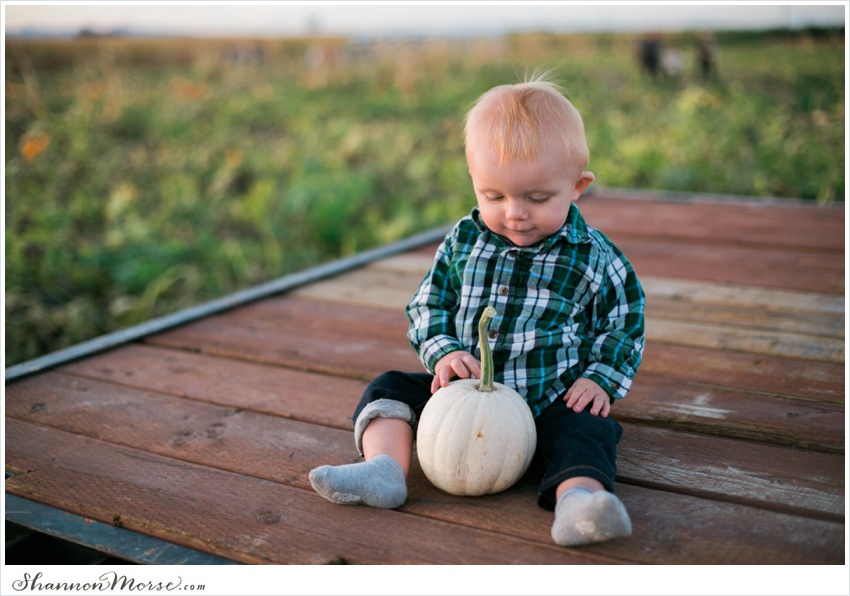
(435, 348)
(615, 383)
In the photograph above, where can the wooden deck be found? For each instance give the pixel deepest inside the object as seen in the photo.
(734, 447)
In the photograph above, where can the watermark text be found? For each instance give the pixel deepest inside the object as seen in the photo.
(109, 581)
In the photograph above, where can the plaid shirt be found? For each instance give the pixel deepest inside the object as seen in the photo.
(569, 306)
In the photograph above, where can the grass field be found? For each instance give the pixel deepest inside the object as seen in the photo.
(144, 176)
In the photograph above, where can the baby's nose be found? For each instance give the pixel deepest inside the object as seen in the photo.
(515, 210)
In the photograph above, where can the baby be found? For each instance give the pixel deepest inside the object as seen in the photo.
(570, 330)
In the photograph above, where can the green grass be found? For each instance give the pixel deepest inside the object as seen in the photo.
(147, 176)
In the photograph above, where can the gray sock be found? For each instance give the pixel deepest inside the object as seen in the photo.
(377, 482)
(584, 517)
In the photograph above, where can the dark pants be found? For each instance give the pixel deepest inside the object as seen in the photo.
(568, 444)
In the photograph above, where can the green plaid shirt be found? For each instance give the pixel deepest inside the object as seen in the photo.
(569, 306)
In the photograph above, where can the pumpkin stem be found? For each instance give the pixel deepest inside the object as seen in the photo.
(486, 383)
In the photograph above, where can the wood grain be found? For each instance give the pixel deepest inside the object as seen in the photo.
(239, 517)
(278, 448)
(734, 443)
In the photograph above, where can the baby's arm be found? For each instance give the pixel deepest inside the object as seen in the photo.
(432, 313)
(617, 348)
(460, 364)
(586, 392)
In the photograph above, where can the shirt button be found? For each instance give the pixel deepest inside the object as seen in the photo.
(492, 334)
(503, 291)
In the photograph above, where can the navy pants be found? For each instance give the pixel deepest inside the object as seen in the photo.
(568, 444)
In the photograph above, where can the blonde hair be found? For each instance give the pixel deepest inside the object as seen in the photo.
(521, 120)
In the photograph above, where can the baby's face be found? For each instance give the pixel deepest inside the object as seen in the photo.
(524, 200)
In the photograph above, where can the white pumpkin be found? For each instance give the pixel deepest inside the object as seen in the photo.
(476, 437)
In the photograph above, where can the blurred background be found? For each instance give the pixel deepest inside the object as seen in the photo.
(159, 156)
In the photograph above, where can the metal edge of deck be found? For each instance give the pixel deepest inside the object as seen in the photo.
(239, 298)
(104, 538)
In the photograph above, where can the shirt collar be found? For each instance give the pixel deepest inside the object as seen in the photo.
(574, 231)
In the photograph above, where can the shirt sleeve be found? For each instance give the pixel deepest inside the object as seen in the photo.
(432, 310)
(620, 332)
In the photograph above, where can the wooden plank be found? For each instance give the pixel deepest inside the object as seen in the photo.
(242, 518)
(756, 326)
(742, 389)
(774, 301)
(736, 470)
(283, 450)
(684, 405)
(232, 438)
(806, 379)
(788, 269)
(171, 442)
(667, 528)
(756, 341)
(391, 283)
(166, 497)
(754, 316)
(289, 312)
(779, 268)
(786, 224)
(410, 268)
(416, 263)
(329, 400)
(275, 321)
(765, 224)
(320, 351)
(747, 330)
(322, 399)
(752, 329)
(370, 287)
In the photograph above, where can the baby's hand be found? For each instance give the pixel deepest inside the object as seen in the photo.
(458, 364)
(584, 392)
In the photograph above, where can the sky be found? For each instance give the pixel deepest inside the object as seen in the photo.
(408, 18)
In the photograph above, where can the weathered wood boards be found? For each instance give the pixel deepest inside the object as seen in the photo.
(733, 452)
(235, 437)
(739, 318)
(776, 484)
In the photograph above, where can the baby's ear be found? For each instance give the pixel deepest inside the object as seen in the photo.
(584, 181)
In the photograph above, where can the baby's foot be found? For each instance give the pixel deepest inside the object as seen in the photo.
(377, 482)
(585, 517)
